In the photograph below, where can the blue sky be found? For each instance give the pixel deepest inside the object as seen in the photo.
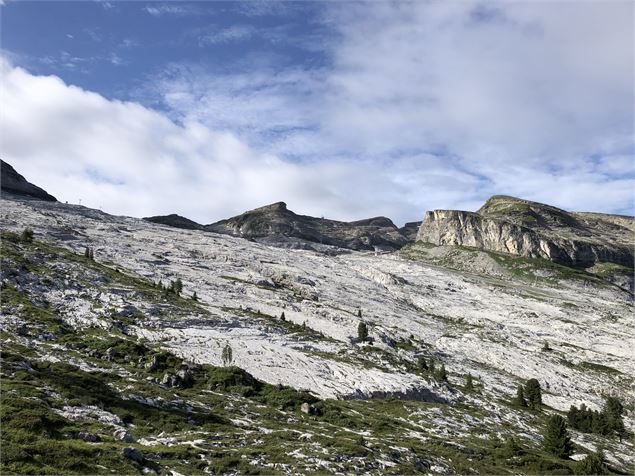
(341, 109)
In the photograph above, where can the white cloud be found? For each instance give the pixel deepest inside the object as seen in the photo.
(423, 105)
(132, 160)
(516, 93)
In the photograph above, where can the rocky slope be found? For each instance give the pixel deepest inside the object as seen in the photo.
(111, 372)
(535, 230)
(277, 225)
(175, 221)
(14, 183)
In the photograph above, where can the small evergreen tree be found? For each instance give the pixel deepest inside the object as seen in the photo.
(520, 397)
(556, 438)
(194, 296)
(533, 394)
(613, 411)
(511, 448)
(469, 383)
(283, 317)
(442, 374)
(178, 286)
(27, 235)
(431, 365)
(422, 364)
(362, 331)
(592, 464)
(87, 253)
(227, 355)
(359, 313)
(545, 346)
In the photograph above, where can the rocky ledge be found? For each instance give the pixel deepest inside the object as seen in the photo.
(535, 230)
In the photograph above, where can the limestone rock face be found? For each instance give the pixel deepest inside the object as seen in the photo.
(14, 183)
(535, 230)
(276, 224)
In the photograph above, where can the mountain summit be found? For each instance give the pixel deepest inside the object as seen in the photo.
(276, 224)
(14, 183)
(535, 230)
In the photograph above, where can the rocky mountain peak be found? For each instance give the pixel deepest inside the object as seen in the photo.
(535, 230)
(14, 183)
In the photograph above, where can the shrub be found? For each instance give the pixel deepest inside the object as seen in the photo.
(520, 397)
(469, 383)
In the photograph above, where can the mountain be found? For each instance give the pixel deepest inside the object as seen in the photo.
(276, 224)
(410, 230)
(104, 370)
(535, 230)
(14, 183)
(176, 221)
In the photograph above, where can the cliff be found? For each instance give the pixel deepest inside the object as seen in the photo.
(535, 230)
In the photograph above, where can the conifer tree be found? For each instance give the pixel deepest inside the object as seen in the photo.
(592, 464)
(359, 313)
(469, 383)
(362, 331)
(442, 374)
(227, 355)
(431, 365)
(194, 296)
(556, 438)
(422, 364)
(533, 394)
(520, 397)
(87, 253)
(283, 317)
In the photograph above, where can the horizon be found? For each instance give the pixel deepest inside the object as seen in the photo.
(211, 109)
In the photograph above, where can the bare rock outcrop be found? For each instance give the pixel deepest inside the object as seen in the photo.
(535, 230)
(276, 223)
(14, 183)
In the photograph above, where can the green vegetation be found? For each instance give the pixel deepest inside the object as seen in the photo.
(607, 422)
(362, 331)
(556, 438)
(533, 394)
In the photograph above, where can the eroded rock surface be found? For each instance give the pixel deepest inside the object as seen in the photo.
(535, 230)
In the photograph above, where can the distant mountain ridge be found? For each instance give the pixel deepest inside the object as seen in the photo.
(535, 230)
(14, 183)
(276, 224)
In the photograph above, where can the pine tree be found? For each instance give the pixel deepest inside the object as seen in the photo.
(227, 355)
(87, 253)
(194, 296)
(469, 383)
(359, 313)
(533, 394)
(442, 374)
(592, 464)
(283, 317)
(178, 286)
(613, 410)
(422, 364)
(556, 438)
(27, 235)
(362, 331)
(520, 397)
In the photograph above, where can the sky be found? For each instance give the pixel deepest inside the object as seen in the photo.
(345, 110)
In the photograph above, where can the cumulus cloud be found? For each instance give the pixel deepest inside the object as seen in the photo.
(515, 93)
(420, 105)
(128, 159)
